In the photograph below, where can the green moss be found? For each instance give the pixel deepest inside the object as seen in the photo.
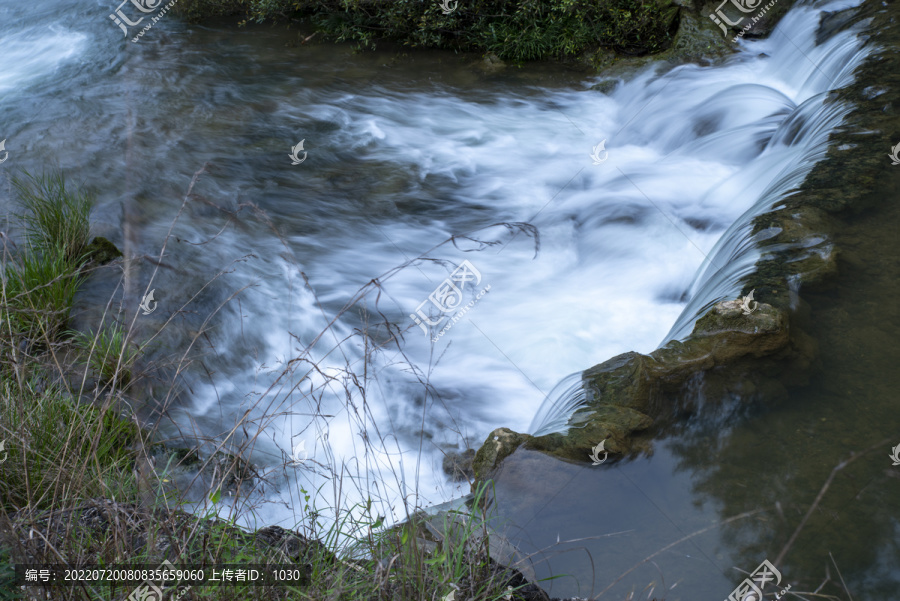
(499, 445)
(102, 251)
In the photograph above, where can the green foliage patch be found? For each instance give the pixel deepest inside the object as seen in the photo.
(517, 30)
(39, 291)
(49, 439)
(109, 353)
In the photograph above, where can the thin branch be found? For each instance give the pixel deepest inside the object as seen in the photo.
(837, 468)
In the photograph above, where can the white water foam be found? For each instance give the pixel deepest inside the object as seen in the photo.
(32, 53)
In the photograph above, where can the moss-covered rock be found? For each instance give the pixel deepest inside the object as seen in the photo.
(499, 445)
(746, 18)
(633, 393)
(102, 251)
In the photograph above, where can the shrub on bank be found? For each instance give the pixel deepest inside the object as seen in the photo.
(518, 31)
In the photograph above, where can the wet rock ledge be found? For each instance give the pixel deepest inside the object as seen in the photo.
(730, 356)
(629, 397)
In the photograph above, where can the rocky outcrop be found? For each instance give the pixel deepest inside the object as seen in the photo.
(632, 395)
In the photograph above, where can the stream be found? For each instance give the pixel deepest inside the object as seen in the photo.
(289, 290)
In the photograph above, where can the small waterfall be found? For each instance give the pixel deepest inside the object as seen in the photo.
(803, 140)
(793, 138)
(564, 400)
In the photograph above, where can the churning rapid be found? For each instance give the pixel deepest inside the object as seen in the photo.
(629, 245)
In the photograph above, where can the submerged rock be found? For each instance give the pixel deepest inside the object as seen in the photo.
(491, 63)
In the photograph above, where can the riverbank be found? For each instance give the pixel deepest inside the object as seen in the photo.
(105, 373)
(596, 34)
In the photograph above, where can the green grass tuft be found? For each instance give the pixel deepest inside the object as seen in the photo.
(54, 216)
(54, 444)
(39, 290)
(108, 353)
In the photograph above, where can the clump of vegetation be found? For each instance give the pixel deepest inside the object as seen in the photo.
(520, 30)
(40, 281)
(109, 353)
(57, 447)
(56, 219)
(39, 290)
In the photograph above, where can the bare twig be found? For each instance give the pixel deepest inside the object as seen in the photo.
(837, 468)
(846, 590)
(741, 516)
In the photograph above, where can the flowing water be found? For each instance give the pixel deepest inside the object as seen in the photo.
(402, 153)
